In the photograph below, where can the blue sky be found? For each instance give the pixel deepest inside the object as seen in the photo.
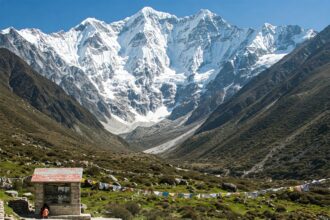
(55, 15)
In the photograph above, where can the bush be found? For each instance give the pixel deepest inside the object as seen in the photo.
(165, 205)
(93, 171)
(268, 215)
(280, 208)
(201, 186)
(167, 180)
(155, 167)
(191, 214)
(18, 185)
(117, 211)
(155, 215)
(133, 208)
(320, 190)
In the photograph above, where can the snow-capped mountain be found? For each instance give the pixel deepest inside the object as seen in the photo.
(153, 65)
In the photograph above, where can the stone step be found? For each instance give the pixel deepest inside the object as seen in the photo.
(73, 217)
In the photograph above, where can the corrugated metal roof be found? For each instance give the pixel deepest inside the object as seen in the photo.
(46, 175)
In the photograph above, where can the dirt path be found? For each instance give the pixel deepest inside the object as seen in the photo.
(260, 165)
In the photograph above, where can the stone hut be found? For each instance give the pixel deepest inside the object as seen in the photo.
(59, 188)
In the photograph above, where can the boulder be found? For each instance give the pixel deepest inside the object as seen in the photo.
(184, 182)
(116, 184)
(177, 181)
(114, 179)
(229, 187)
(27, 194)
(5, 183)
(58, 164)
(12, 193)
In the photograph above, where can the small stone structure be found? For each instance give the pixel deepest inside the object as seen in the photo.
(59, 188)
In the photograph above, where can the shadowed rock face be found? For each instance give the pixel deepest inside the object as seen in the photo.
(43, 94)
(274, 124)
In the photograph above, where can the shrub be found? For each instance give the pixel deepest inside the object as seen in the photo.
(155, 215)
(93, 171)
(165, 205)
(200, 186)
(17, 185)
(117, 211)
(133, 208)
(155, 167)
(190, 214)
(167, 180)
(280, 208)
(320, 190)
(268, 215)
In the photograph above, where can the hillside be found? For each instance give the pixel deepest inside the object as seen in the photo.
(277, 125)
(37, 110)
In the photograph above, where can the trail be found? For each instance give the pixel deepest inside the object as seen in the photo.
(259, 166)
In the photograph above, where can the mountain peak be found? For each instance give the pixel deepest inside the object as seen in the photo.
(149, 11)
(207, 15)
(205, 12)
(90, 21)
(268, 27)
(7, 30)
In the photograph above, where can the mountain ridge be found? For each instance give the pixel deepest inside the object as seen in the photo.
(276, 125)
(153, 65)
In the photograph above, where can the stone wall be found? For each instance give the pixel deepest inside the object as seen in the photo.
(39, 197)
(2, 210)
(59, 209)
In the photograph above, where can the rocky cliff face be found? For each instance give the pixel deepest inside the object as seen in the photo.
(153, 65)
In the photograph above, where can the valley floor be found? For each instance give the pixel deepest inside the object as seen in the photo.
(140, 200)
(149, 173)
